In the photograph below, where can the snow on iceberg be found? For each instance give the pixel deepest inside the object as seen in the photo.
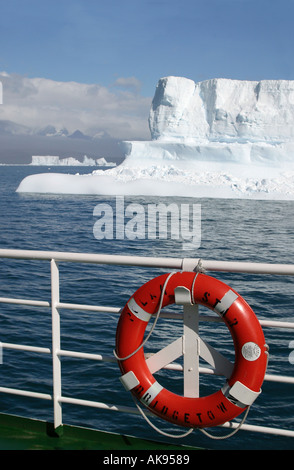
(217, 138)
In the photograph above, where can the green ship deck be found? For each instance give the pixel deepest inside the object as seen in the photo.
(17, 433)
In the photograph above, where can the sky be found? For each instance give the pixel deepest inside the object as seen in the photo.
(117, 50)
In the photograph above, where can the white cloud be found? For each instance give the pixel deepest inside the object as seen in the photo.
(131, 83)
(37, 102)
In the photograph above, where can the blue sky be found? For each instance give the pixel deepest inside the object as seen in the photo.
(123, 47)
(98, 41)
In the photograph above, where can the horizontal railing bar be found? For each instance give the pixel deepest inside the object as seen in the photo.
(107, 358)
(172, 315)
(93, 308)
(35, 303)
(26, 348)
(45, 396)
(277, 324)
(25, 393)
(93, 258)
(96, 308)
(247, 267)
(279, 378)
(132, 410)
(97, 404)
(172, 366)
(261, 429)
(207, 370)
(172, 263)
(95, 357)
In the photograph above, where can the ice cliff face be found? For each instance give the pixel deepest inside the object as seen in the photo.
(223, 110)
(220, 119)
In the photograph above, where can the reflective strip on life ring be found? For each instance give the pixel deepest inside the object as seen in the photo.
(251, 356)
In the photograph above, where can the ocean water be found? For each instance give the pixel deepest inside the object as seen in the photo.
(256, 231)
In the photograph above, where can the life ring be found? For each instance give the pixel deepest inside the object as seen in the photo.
(251, 356)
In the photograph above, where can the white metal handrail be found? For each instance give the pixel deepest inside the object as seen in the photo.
(55, 305)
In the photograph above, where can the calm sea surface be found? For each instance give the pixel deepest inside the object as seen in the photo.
(256, 231)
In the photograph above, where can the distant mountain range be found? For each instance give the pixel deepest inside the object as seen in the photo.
(18, 143)
(12, 128)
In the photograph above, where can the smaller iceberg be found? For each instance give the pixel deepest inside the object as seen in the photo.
(52, 160)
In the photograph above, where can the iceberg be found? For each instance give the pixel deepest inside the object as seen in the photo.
(52, 160)
(220, 120)
(216, 138)
(45, 160)
(102, 162)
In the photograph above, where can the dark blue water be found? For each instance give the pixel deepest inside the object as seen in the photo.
(257, 231)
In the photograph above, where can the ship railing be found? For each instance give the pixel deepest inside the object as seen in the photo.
(184, 264)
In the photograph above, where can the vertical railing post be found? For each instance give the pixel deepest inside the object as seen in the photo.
(191, 351)
(191, 342)
(56, 346)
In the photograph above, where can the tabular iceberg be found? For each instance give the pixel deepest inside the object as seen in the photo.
(216, 138)
(220, 120)
(52, 160)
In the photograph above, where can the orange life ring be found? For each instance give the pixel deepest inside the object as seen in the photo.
(244, 384)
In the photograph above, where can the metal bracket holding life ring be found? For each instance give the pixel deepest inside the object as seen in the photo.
(244, 378)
